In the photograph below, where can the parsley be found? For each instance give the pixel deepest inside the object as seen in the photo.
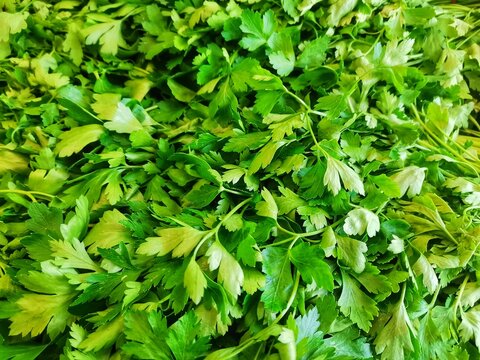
(245, 179)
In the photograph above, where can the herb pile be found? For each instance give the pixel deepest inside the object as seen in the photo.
(246, 179)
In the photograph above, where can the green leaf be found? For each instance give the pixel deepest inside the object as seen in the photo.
(37, 312)
(12, 161)
(183, 339)
(77, 224)
(360, 220)
(194, 281)
(108, 232)
(76, 139)
(353, 303)
(308, 260)
(339, 9)
(44, 220)
(279, 281)
(180, 241)
(282, 56)
(258, 28)
(20, 352)
(337, 170)
(146, 333)
(393, 340)
(230, 274)
(107, 34)
(268, 207)
(314, 53)
(11, 24)
(180, 92)
(72, 255)
(352, 251)
(410, 180)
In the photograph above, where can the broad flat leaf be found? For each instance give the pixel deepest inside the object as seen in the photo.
(74, 140)
(314, 53)
(103, 336)
(423, 267)
(12, 161)
(123, 120)
(194, 281)
(470, 326)
(257, 28)
(44, 220)
(181, 241)
(410, 180)
(360, 220)
(351, 251)
(183, 339)
(337, 170)
(37, 312)
(268, 207)
(72, 254)
(230, 274)
(279, 281)
(77, 225)
(21, 352)
(393, 340)
(108, 232)
(308, 260)
(146, 334)
(339, 9)
(108, 35)
(355, 304)
(11, 24)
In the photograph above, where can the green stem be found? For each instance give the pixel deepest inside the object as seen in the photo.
(457, 303)
(29, 194)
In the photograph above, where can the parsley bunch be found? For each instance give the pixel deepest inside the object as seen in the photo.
(250, 179)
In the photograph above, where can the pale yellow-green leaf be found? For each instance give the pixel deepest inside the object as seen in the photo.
(38, 311)
(471, 294)
(11, 161)
(107, 34)
(253, 280)
(230, 274)
(410, 180)
(11, 24)
(123, 120)
(4, 50)
(49, 182)
(423, 267)
(339, 9)
(194, 281)
(108, 232)
(233, 223)
(180, 240)
(268, 207)
(202, 13)
(264, 157)
(72, 255)
(139, 88)
(360, 220)
(73, 42)
(393, 340)
(352, 251)
(44, 74)
(470, 325)
(180, 92)
(104, 336)
(106, 105)
(74, 140)
(337, 170)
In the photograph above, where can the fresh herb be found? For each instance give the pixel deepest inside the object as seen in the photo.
(245, 179)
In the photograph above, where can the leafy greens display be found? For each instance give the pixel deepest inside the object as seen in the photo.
(250, 179)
